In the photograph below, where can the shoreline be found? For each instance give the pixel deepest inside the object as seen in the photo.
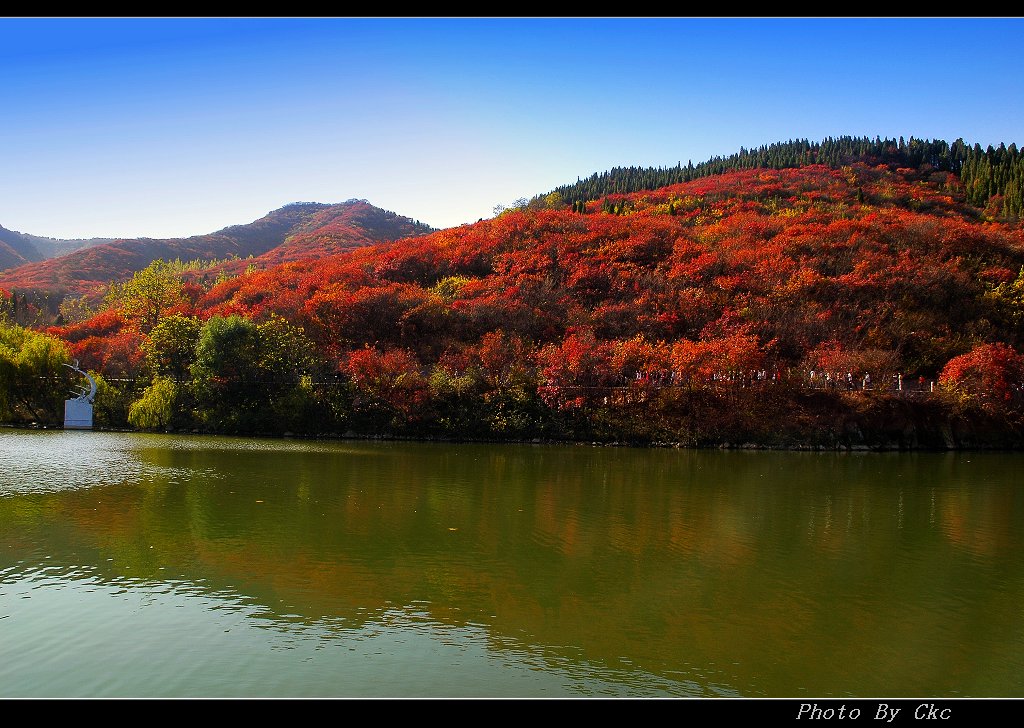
(654, 444)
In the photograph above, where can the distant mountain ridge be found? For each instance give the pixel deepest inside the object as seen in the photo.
(56, 247)
(18, 248)
(289, 233)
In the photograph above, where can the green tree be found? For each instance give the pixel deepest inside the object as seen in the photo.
(157, 406)
(113, 401)
(33, 379)
(146, 297)
(244, 373)
(75, 309)
(170, 348)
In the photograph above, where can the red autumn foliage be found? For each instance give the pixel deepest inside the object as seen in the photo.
(391, 377)
(503, 360)
(856, 268)
(117, 355)
(104, 324)
(990, 374)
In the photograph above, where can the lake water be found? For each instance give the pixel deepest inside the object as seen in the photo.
(156, 566)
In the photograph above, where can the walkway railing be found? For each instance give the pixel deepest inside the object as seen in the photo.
(641, 389)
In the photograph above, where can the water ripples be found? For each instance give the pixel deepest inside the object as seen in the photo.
(412, 573)
(48, 462)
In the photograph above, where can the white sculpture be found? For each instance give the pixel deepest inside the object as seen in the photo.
(78, 411)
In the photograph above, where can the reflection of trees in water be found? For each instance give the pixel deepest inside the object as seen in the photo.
(664, 557)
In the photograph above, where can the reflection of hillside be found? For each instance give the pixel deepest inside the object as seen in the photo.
(962, 513)
(661, 558)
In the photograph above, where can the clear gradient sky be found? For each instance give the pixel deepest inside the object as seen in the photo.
(174, 127)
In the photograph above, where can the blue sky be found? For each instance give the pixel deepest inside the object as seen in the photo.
(174, 127)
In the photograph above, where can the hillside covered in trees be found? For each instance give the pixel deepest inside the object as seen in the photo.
(302, 229)
(991, 177)
(866, 304)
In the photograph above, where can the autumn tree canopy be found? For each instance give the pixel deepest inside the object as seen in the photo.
(696, 309)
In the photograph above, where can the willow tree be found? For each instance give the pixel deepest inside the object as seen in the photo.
(33, 379)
